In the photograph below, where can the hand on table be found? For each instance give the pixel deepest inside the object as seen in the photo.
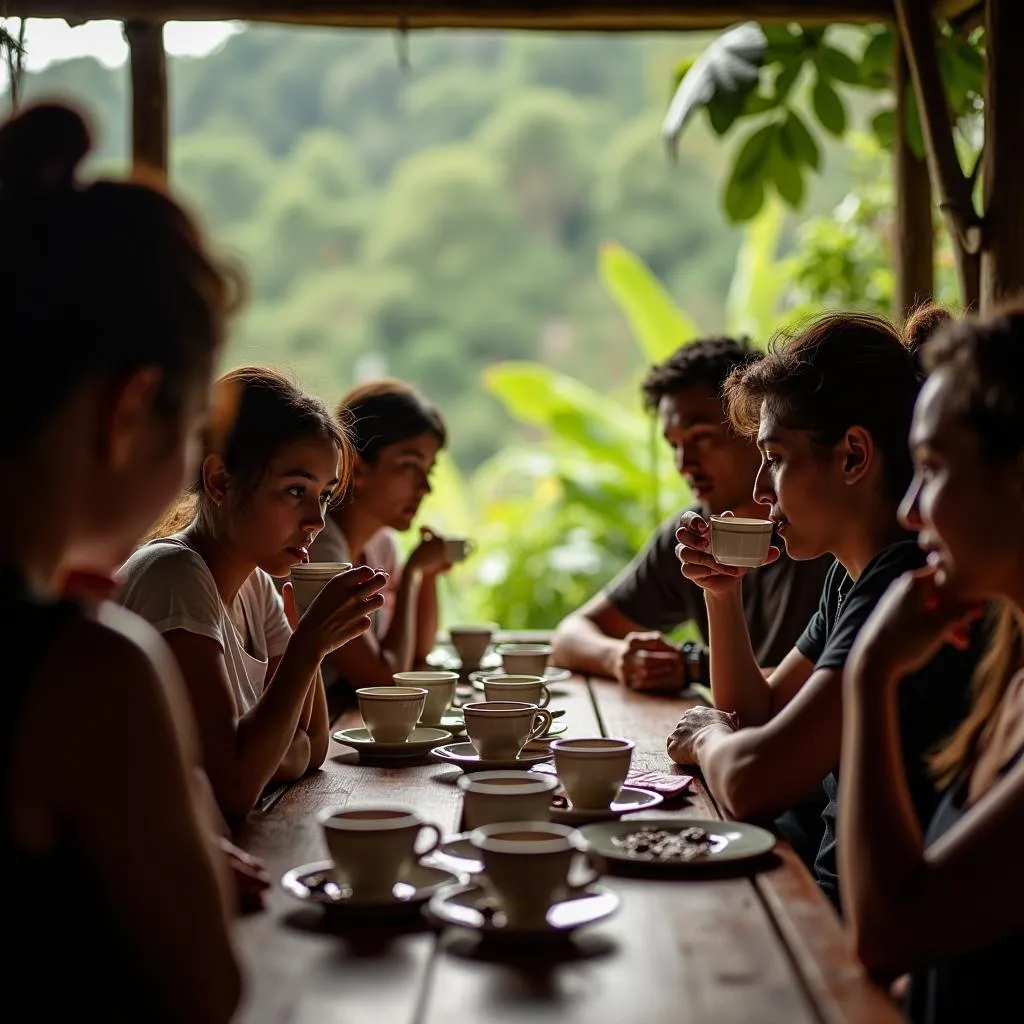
(647, 662)
(691, 730)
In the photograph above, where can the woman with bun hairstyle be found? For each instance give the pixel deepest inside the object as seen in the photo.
(397, 435)
(274, 460)
(118, 896)
(943, 899)
(830, 410)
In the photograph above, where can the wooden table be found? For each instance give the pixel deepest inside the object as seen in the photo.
(764, 948)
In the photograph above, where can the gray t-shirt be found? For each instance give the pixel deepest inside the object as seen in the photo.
(778, 600)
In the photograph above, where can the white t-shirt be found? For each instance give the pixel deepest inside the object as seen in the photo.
(331, 545)
(168, 584)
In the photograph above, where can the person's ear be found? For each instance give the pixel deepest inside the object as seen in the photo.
(360, 471)
(857, 451)
(125, 417)
(216, 480)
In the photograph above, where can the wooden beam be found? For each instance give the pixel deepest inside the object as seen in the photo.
(595, 15)
(1002, 261)
(917, 30)
(150, 125)
(914, 241)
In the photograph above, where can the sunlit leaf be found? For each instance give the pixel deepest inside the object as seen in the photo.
(743, 199)
(759, 281)
(753, 154)
(796, 139)
(834, 63)
(658, 324)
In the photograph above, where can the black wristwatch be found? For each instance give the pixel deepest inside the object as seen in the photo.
(696, 668)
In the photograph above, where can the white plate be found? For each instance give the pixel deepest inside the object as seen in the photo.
(551, 675)
(466, 906)
(465, 756)
(419, 742)
(312, 883)
(630, 799)
(731, 841)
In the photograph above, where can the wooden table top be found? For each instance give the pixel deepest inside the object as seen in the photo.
(757, 948)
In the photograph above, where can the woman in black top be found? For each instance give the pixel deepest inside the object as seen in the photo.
(947, 902)
(831, 411)
(117, 898)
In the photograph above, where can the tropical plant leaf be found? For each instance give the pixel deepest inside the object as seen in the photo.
(731, 64)
(883, 124)
(782, 40)
(786, 78)
(876, 61)
(796, 139)
(787, 174)
(754, 152)
(658, 324)
(834, 63)
(743, 199)
(829, 108)
(759, 280)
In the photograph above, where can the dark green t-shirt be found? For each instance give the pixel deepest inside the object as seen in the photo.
(778, 600)
(932, 701)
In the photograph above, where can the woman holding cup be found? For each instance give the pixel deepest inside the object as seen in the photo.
(397, 435)
(831, 411)
(274, 461)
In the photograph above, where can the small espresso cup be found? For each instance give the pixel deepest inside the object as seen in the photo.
(372, 845)
(440, 687)
(740, 542)
(470, 643)
(527, 865)
(458, 549)
(592, 771)
(499, 729)
(489, 797)
(530, 689)
(309, 578)
(524, 659)
(390, 713)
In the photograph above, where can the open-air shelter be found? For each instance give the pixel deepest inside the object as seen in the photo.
(989, 247)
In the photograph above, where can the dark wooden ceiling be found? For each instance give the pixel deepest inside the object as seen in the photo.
(595, 15)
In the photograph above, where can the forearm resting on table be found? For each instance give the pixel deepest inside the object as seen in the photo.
(580, 644)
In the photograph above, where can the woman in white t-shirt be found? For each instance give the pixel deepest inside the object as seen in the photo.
(274, 464)
(397, 434)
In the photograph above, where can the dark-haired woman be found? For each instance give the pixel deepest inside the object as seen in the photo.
(397, 435)
(117, 900)
(831, 411)
(254, 678)
(945, 901)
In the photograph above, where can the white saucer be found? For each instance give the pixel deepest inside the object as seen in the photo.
(551, 675)
(312, 883)
(457, 852)
(419, 742)
(453, 722)
(556, 730)
(465, 756)
(630, 799)
(465, 906)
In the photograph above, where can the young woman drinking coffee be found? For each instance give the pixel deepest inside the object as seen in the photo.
(118, 897)
(275, 459)
(831, 411)
(397, 434)
(945, 901)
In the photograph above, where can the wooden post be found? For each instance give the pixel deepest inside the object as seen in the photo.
(1002, 262)
(150, 127)
(917, 31)
(914, 241)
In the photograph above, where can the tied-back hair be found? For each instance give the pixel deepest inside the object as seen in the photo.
(839, 371)
(383, 412)
(255, 413)
(704, 362)
(986, 357)
(100, 280)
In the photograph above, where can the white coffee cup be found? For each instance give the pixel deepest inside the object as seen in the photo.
(470, 643)
(390, 713)
(499, 729)
(440, 687)
(740, 542)
(529, 689)
(489, 797)
(527, 864)
(592, 771)
(524, 659)
(371, 846)
(458, 549)
(309, 578)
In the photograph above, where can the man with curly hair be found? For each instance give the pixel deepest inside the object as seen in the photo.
(620, 631)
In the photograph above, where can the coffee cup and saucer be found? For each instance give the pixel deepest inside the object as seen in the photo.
(375, 864)
(538, 883)
(390, 714)
(502, 734)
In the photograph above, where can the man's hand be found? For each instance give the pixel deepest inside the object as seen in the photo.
(693, 728)
(648, 662)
